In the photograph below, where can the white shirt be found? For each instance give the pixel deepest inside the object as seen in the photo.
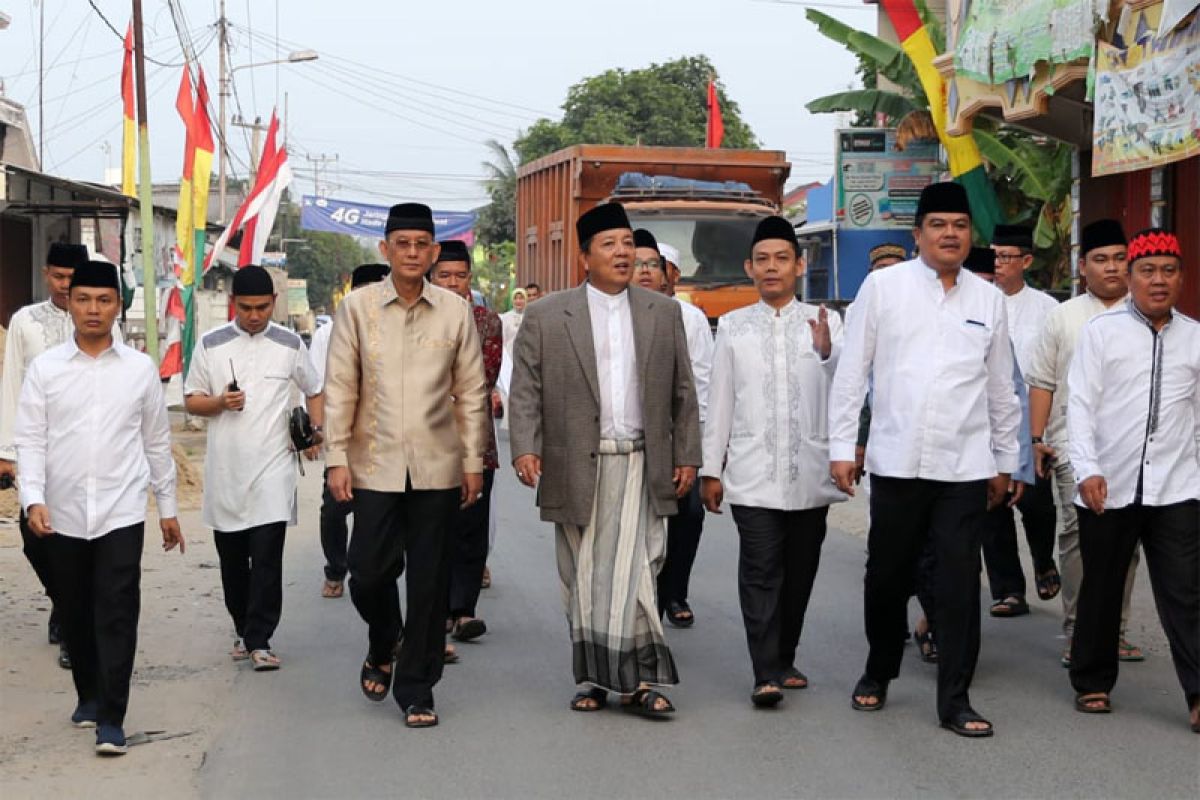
(91, 433)
(700, 351)
(32, 331)
(942, 402)
(616, 365)
(250, 468)
(1135, 406)
(1051, 360)
(318, 352)
(1027, 311)
(768, 411)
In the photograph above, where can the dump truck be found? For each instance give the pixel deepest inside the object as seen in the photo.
(704, 202)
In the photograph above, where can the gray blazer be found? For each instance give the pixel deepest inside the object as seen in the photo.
(554, 405)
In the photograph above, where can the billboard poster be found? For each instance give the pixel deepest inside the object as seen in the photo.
(1147, 102)
(877, 185)
(367, 220)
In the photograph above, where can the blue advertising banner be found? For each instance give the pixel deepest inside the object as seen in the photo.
(364, 219)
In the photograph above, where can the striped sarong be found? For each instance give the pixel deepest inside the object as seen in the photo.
(608, 572)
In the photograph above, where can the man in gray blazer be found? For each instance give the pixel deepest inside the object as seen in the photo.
(604, 422)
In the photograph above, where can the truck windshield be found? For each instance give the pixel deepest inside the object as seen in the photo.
(712, 249)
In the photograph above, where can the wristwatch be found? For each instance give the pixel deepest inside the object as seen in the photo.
(1037, 440)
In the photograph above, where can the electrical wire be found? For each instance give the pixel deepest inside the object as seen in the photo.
(121, 36)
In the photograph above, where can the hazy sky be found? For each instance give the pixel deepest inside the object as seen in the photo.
(405, 93)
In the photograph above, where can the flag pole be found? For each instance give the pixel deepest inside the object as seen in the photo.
(145, 195)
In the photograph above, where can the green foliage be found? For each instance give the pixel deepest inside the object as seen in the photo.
(497, 220)
(323, 259)
(864, 102)
(494, 273)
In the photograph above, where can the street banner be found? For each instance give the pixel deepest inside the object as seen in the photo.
(877, 186)
(1147, 107)
(367, 220)
(1003, 40)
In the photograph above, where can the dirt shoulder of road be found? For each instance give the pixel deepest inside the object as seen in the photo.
(181, 679)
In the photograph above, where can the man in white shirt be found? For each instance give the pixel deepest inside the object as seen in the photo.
(91, 432)
(1134, 423)
(334, 531)
(241, 379)
(1102, 266)
(33, 330)
(1027, 308)
(766, 451)
(933, 339)
(651, 272)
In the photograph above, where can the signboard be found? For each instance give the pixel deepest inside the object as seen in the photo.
(1147, 102)
(877, 186)
(297, 296)
(366, 220)
(1000, 40)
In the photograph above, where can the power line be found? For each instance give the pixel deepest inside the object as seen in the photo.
(121, 36)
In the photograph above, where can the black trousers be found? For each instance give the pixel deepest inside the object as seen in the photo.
(334, 532)
(391, 528)
(469, 531)
(252, 578)
(683, 540)
(778, 557)
(905, 514)
(1000, 553)
(38, 551)
(1170, 538)
(100, 599)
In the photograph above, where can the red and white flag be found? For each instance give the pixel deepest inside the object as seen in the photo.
(256, 217)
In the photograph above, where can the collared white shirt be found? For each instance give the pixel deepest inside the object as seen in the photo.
(250, 468)
(1051, 359)
(942, 402)
(1135, 407)
(318, 352)
(700, 351)
(1027, 311)
(91, 434)
(616, 364)
(766, 433)
(32, 331)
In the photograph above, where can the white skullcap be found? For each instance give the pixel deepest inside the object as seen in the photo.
(669, 253)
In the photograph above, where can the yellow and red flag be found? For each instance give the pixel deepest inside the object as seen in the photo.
(966, 164)
(129, 124)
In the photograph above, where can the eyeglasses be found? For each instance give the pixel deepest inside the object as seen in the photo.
(1008, 258)
(647, 265)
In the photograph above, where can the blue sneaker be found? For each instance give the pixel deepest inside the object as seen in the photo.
(110, 741)
(85, 715)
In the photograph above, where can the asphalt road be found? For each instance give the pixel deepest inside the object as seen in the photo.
(307, 732)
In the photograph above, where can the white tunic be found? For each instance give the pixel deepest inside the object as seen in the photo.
(1027, 311)
(318, 352)
(941, 366)
(700, 351)
(1051, 360)
(91, 434)
(767, 409)
(250, 469)
(1135, 407)
(616, 365)
(32, 331)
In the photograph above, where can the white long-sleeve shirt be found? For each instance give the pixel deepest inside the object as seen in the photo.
(616, 365)
(766, 432)
(318, 352)
(1134, 407)
(1050, 361)
(32, 331)
(249, 468)
(700, 351)
(91, 434)
(1027, 311)
(942, 404)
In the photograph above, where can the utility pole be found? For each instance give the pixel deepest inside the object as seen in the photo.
(145, 195)
(319, 163)
(41, 82)
(257, 130)
(222, 92)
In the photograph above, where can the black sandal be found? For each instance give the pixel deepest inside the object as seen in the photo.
(958, 724)
(676, 610)
(1011, 606)
(594, 699)
(414, 711)
(1049, 583)
(793, 674)
(866, 687)
(1093, 703)
(645, 703)
(468, 630)
(767, 694)
(373, 674)
(927, 646)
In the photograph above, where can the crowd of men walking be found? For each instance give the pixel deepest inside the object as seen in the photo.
(961, 401)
